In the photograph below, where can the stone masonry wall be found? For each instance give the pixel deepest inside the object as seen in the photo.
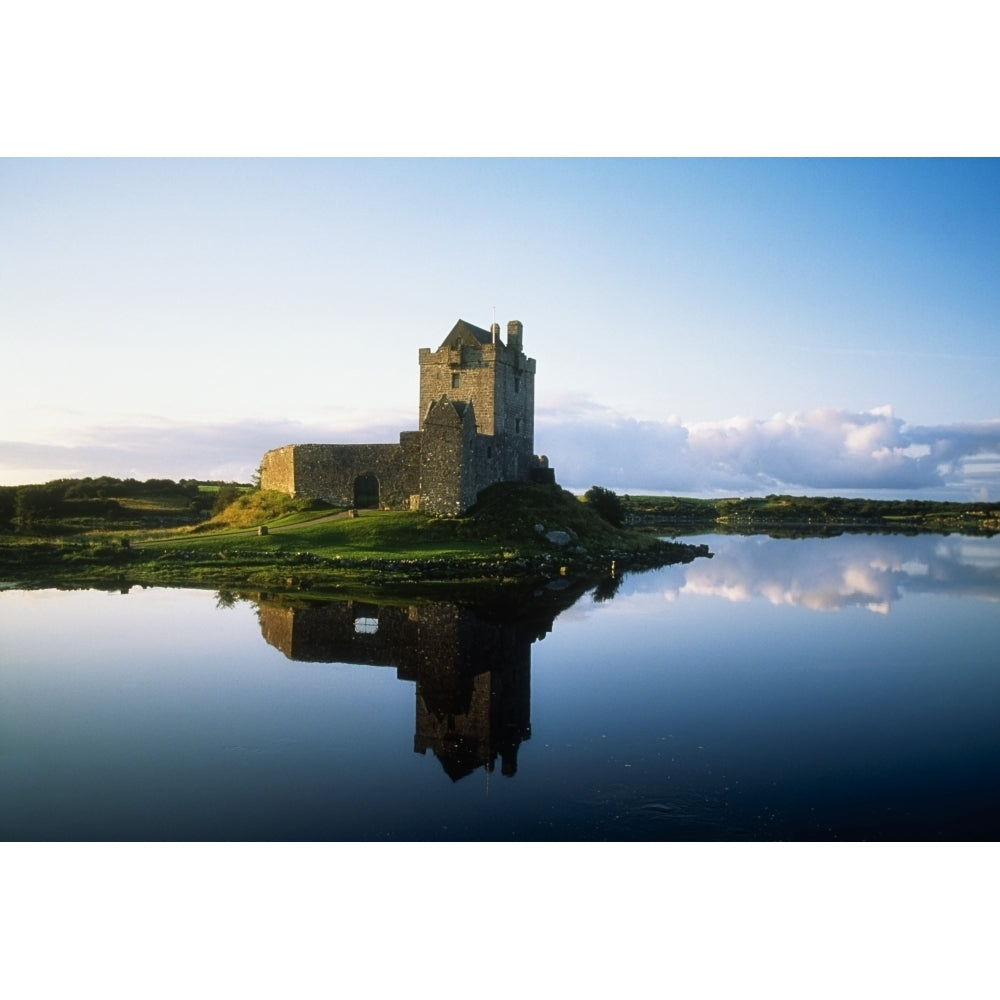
(515, 398)
(277, 470)
(475, 371)
(329, 471)
(447, 484)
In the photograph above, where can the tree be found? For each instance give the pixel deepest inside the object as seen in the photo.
(607, 503)
(31, 504)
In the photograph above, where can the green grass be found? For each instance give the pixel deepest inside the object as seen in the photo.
(504, 520)
(381, 534)
(309, 545)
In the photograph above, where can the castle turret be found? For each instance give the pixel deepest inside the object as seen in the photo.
(515, 336)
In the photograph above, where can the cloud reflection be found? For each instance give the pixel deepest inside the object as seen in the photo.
(823, 574)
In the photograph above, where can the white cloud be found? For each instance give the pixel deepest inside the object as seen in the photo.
(870, 453)
(815, 450)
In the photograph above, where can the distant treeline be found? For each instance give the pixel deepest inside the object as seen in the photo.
(24, 508)
(812, 514)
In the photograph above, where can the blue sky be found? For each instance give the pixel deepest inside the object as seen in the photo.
(701, 326)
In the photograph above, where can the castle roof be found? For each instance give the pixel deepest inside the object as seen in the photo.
(466, 335)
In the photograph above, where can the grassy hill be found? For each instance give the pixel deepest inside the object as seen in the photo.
(268, 540)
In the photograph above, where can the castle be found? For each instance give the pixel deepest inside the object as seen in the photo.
(477, 428)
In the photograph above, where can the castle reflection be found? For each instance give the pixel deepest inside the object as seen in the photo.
(471, 666)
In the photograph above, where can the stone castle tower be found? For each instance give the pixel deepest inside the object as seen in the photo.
(477, 428)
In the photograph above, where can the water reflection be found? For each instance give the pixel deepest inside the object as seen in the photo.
(872, 572)
(471, 666)
(164, 716)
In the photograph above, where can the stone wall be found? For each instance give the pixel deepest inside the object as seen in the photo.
(467, 374)
(277, 470)
(329, 471)
(515, 396)
(447, 474)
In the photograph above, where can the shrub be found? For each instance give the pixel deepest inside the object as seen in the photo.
(228, 493)
(607, 503)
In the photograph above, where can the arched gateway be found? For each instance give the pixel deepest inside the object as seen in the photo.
(366, 492)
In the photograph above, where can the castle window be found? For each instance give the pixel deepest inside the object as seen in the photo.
(517, 385)
(455, 380)
(517, 425)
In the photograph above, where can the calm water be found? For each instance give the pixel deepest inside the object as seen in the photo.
(823, 689)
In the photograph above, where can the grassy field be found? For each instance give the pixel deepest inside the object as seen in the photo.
(385, 534)
(269, 541)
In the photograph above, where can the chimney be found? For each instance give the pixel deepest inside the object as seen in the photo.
(515, 334)
(495, 330)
